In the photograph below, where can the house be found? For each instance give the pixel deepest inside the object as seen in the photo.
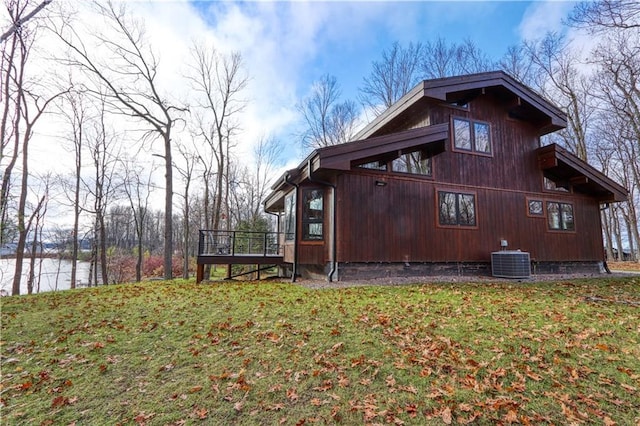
(451, 173)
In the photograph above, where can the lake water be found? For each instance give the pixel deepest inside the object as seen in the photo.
(55, 275)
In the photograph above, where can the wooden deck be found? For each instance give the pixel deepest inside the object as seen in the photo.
(216, 247)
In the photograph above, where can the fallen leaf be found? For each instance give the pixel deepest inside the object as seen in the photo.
(446, 416)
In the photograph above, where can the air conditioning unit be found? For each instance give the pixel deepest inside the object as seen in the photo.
(510, 264)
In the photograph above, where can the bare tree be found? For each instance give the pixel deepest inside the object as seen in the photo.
(104, 153)
(617, 63)
(393, 76)
(186, 171)
(327, 121)
(25, 102)
(219, 81)
(137, 185)
(74, 109)
(557, 77)
(19, 20)
(127, 78)
(401, 68)
(36, 224)
(440, 59)
(604, 15)
(253, 181)
(618, 58)
(518, 64)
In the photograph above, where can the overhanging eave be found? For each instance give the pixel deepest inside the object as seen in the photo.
(565, 166)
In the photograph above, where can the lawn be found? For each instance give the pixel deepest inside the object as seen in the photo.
(241, 353)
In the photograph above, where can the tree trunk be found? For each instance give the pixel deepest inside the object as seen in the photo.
(22, 202)
(168, 207)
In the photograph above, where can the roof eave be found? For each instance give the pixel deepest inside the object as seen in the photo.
(439, 89)
(553, 155)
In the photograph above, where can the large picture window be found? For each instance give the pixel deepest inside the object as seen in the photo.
(456, 209)
(473, 136)
(560, 216)
(312, 214)
(289, 217)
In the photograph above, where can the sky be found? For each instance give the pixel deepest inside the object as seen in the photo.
(287, 45)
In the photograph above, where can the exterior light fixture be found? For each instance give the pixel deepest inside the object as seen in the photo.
(381, 183)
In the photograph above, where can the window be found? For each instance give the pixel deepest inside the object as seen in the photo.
(535, 208)
(473, 136)
(312, 214)
(456, 209)
(551, 185)
(481, 137)
(290, 217)
(462, 134)
(560, 216)
(375, 165)
(416, 162)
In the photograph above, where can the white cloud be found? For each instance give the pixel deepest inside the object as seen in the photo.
(542, 17)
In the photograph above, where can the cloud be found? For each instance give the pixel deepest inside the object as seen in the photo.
(542, 17)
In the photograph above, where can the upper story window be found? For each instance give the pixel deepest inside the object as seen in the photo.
(416, 162)
(456, 209)
(290, 217)
(375, 165)
(312, 214)
(560, 216)
(552, 185)
(472, 136)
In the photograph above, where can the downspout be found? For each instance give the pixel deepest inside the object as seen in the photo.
(295, 230)
(604, 261)
(334, 227)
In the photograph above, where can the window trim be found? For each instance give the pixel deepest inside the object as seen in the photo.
(541, 215)
(560, 203)
(305, 221)
(388, 168)
(472, 136)
(457, 193)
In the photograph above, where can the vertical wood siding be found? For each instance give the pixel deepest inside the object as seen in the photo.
(398, 222)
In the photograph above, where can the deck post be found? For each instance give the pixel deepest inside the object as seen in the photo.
(229, 272)
(199, 273)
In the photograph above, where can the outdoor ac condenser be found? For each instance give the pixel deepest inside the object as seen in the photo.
(510, 264)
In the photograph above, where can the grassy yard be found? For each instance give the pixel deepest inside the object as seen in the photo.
(179, 353)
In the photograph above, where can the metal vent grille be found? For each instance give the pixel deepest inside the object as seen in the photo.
(510, 264)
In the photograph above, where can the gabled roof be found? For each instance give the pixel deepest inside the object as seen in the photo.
(523, 102)
(566, 167)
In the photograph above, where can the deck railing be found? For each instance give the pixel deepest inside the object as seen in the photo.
(238, 243)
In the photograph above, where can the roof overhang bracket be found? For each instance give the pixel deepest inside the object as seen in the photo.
(579, 180)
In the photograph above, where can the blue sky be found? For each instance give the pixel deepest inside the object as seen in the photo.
(289, 45)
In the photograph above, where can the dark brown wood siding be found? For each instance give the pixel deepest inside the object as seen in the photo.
(512, 163)
(398, 222)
